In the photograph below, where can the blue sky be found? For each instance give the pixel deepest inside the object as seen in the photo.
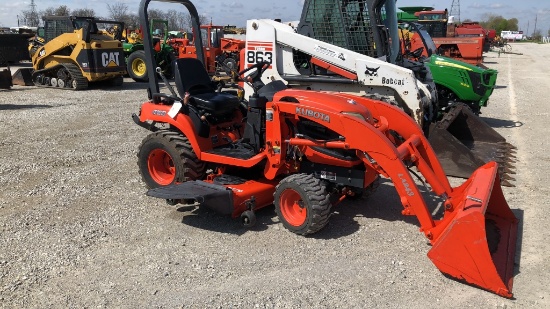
(236, 12)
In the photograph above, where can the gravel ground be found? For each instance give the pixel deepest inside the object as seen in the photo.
(78, 231)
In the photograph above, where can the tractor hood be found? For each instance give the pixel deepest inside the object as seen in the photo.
(449, 62)
(328, 101)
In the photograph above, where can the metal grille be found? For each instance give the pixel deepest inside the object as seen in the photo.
(55, 27)
(342, 23)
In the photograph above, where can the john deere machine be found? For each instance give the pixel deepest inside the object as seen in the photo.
(75, 52)
(456, 81)
(300, 150)
(164, 53)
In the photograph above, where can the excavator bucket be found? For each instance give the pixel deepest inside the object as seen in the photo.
(23, 77)
(5, 79)
(478, 243)
(463, 142)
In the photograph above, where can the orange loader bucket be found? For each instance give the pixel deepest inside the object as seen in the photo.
(478, 244)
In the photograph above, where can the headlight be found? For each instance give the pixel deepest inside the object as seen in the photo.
(355, 114)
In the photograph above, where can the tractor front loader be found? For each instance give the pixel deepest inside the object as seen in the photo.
(300, 149)
(75, 53)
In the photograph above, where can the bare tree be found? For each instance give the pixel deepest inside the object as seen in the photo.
(62, 10)
(119, 11)
(48, 12)
(176, 20)
(83, 12)
(156, 14)
(203, 20)
(30, 18)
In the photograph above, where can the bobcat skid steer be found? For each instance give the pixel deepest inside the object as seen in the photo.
(354, 47)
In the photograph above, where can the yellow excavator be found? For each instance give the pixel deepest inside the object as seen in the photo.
(75, 53)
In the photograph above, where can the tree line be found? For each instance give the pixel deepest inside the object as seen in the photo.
(118, 11)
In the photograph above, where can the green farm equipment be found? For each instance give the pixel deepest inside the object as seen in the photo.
(135, 54)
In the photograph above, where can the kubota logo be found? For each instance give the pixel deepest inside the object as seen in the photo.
(110, 59)
(313, 114)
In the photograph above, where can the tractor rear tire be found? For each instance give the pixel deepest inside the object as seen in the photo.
(166, 157)
(302, 203)
(136, 66)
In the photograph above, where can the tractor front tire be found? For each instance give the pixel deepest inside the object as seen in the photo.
(166, 157)
(136, 66)
(302, 203)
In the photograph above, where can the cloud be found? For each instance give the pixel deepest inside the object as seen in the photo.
(490, 6)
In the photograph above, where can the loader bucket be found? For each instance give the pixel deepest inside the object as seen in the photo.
(478, 245)
(5, 79)
(23, 77)
(463, 142)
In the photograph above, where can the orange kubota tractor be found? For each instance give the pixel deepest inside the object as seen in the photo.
(302, 149)
(220, 52)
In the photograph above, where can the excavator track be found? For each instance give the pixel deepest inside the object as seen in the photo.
(63, 76)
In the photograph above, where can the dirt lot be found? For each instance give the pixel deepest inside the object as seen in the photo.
(78, 231)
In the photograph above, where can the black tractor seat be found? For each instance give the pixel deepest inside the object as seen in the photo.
(191, 77)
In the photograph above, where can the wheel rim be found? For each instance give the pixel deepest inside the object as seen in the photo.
(60, 83)
(292, 208)
(74, 83)
(161, 167)
(53, 82)
(138, 67)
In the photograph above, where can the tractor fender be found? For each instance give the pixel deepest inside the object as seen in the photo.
(182, 122)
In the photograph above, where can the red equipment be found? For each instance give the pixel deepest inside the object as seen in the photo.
(224, 51)
(464, 42)
(300, 150)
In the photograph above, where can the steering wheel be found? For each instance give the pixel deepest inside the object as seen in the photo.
(260, 67)
(417, 52)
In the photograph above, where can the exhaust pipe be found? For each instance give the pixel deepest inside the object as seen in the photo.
(463, 142)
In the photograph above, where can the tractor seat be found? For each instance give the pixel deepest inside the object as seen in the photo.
(191, 76)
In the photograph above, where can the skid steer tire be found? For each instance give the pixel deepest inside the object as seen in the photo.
(136, 66)
(302, 203)
(166, 157)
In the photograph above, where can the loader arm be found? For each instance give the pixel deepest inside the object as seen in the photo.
(279, 43)
(474, 237)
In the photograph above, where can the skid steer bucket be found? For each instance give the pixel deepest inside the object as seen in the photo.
(463, 142)
(23, 77)
(478, 241)
(5, 79)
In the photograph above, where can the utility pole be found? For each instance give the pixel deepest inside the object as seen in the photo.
(33, 18)
(455, 9)
(534, 31)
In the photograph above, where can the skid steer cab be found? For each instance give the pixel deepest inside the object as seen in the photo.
(303, 151)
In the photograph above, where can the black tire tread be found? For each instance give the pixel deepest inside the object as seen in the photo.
(193, 168)
(316, 193)
(76, 74)
(134, 55)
